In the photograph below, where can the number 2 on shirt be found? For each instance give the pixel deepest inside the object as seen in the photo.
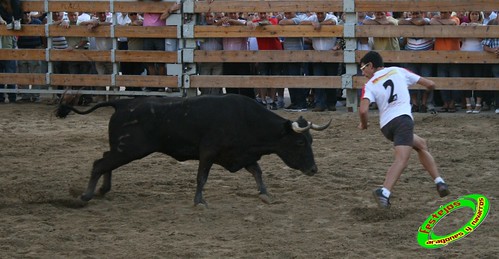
(389, 83)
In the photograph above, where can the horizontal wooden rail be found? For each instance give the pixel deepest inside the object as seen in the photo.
(267, 31)
(90, 55)
(96, 6)
(265, 6)
(200, 31)
(89, 80)
(428, 31)
(331, 56)
(203, 81)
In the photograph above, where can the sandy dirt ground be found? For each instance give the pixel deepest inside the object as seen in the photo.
(149, 212)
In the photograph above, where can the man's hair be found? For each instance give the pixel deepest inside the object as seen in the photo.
(373, 57)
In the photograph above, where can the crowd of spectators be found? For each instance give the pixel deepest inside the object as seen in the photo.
(302, 99)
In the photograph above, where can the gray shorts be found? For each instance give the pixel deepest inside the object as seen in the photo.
(400, 131)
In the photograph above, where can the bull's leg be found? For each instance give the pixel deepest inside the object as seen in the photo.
(256, 171)
(106, 183)
(202, 177)
(104, 166)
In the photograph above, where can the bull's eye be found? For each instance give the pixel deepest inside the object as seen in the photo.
(300, 143)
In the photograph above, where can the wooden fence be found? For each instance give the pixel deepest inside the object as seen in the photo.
(181, 64)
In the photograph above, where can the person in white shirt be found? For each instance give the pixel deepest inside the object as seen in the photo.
(324, 99)
(388, 87)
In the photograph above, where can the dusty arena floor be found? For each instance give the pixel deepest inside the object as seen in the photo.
(149, 213)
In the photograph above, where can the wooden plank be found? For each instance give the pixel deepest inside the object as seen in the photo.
(147, 81)
(80, 55)
(267, 31)
(22, 78)
(146, 32)
(79, 31)
(331, 56)
(80, 80)
(203, 81)
(448, 83)
(434, 57)
(429, 31)
(268, 6)
(22, 54)
(424, 5)
(27, 30)
(146, 56)
(96, 6)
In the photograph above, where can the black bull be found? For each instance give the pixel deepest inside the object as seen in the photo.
(231, 130)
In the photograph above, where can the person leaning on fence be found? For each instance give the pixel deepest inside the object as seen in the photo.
(298, 96)
(11, 14)
(160, 44)
(208, 44)
(134, 68)
(324, 99)
(29, 66)
(7, 66)
(266, 94)
(239, 43)
(491, 45)
(383, 43)
(449, 97)
(420, 99)
(388, 87)
(78, 67)
(475, 18)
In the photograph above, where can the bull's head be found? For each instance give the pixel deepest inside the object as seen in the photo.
(296, 149)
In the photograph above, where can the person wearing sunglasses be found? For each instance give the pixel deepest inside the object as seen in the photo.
(388, 87)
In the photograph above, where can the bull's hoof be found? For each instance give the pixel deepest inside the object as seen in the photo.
(84, 197)
(265, 198)
(202, 204)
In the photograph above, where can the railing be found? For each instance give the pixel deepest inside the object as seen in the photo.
(182, 64)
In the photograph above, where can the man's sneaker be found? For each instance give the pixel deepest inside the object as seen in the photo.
(10, 26)
(273, 106)
(497, 111)
(296, 108)
(17, 25)
(383, 202)
(443, 189)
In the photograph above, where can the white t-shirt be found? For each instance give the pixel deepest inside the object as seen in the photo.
(389, 89)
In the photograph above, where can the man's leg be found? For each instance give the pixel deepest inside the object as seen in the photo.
(402, 155)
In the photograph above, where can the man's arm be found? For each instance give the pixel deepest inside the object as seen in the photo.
(363, 112)
(429, 84)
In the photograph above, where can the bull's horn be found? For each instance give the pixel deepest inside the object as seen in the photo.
(320, 127)
(299, 129)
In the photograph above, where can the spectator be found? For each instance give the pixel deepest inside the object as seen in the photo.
(7, 66)
(59, 43)
(449, 97)
(240, 43)
(78, 67)
(298, 96)
(324, 99)
(491, 45)
(161, 44)
(134, 68)
(214, 68)
(383, 43)
(472, 70)
(11, 14)
(268, 94)
(423, 69)
(29, 66)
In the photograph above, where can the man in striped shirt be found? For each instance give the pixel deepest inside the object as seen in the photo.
(423, 69)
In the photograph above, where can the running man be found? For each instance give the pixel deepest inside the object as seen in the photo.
(388, 87)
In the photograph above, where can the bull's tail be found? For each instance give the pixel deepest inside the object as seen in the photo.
(63, 109)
